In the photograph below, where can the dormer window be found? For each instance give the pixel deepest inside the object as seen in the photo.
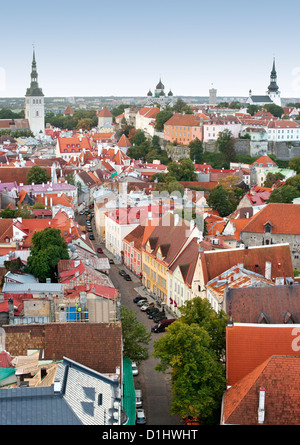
(268, 228)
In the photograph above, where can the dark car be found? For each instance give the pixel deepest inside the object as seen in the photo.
(92, 237)
(127, 277)
(161, 325)
(99, 250)
(89, 229)
(122, 272)
(159, 316)
(153, 313)
(111, 261)
(139, 298)
(153, 308)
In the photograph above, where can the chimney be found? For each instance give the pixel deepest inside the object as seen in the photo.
(261, 406)
(11, 311)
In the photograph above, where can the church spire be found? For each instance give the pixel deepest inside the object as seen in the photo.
(34, 89)
(273, 87)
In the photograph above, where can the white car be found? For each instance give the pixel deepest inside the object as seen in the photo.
(138, 398)
(135, 369)
(146, 306)
(140, 417)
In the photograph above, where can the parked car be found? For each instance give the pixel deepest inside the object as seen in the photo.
(161, 326)
(127, 277)
(91, 206)
(139, 298)
(81, 212)
(135, 369)
(152, 313)
(111, 261)
(159, 316)
(122, 272)
(140, 417)
(142, 302)
(92, 237)
(145, 306)
(138, 398)
(152, 309)
(89, 229)
(99, 250)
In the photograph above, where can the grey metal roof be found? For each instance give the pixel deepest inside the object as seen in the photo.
(16, 288)
(261, 99)
(84, 397)
(35, 406)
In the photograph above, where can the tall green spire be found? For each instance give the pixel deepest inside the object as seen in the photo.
(34, 89)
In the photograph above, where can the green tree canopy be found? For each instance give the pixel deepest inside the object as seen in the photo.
(294, 164)
(48, 247)
(225, 143)
(196, 150)
(271, 178)
(193, 349)
(37, 175)
(162, 117)
(135, 337)
(252, 109)
(284, 194)
(274, 109)
(138, 138)
(183, 170)
(224, 201)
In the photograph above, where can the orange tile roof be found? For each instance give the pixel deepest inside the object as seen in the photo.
(74, 145)
(253, 258)
(124, 141)
(105, 112)
(239, 224)
(278, 376)
(284, 219)
(264, 160)
(188, 120)
(249, 345)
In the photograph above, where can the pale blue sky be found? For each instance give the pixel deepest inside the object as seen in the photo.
(97, 48)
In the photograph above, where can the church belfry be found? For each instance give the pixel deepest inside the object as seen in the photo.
(34, 103)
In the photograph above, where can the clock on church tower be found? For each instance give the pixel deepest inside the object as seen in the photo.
(34, 103)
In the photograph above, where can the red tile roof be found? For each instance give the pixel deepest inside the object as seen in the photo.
(284, 219)
(105, 112)
(265, 161)
(278, 376)
(249, 345)
(187, 120)
(74, 145)
(124, 142)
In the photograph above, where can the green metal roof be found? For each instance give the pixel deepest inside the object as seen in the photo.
(6, 372)
(128, 391)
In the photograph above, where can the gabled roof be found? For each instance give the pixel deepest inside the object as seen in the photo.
(284, 219)
(278, 376)
(169, 237)
(187, 261)
(252, 258)
(249, 345)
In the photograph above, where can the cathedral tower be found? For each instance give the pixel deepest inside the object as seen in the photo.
(34, 103)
